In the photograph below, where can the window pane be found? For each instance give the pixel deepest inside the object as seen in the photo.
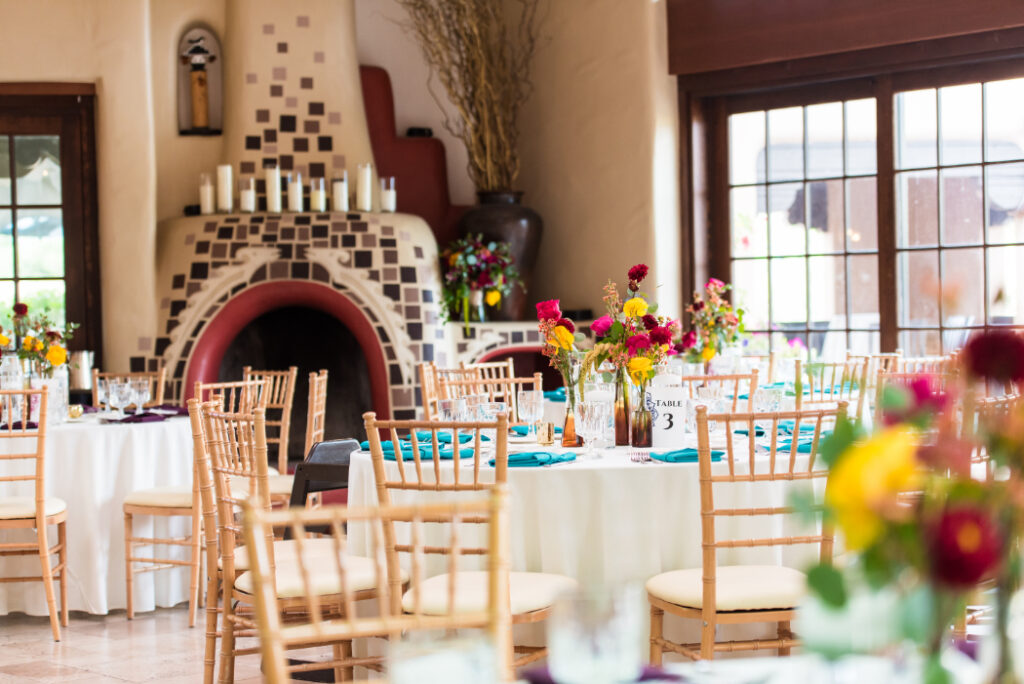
(918, 283)
(786, 206)
(6, 297)
(40, 243)
(827, 217)
(861, 214)
(1005, 285)
(789, 291)
(748, 222)
(916, 209)
(961, 206)
(920, 343)
(5, 170)
(786, 144)
(915, 129)
(830, 345)
(825, 140)
(44, 296)
(862, 342)
(963, 298)
(827, 292)
(37, 163)
(6, 245)
(1004, 184)
(750, 291)
(860, 137)
(960, 121)
(862, 277)
(1004, 126)
(746, 148)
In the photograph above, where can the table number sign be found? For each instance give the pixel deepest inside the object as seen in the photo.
(668, 416)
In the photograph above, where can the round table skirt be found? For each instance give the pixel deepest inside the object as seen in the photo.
(93, 467)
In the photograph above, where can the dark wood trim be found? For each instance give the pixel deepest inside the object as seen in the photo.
(59, 89)
(719, 262)
(886, 207)
(686, 213)
(800, 96)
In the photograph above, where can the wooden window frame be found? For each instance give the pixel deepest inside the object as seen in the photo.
(71, 107)
(706, 100)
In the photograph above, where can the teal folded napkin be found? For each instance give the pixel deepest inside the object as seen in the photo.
(803, 445)
(445, 437)
(683, 456)
(533, 459)
(427, 453)
(788, 425)
(758, 431)
(385, 446)
(524, 430)
(555, 395)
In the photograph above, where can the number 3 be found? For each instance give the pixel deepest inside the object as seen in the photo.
(671, 424)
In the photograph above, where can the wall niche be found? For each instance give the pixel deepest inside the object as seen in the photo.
(200, 83)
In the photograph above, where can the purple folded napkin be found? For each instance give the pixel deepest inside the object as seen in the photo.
(86, 408)
(17, 426)
(541, 675)
(145, 417)
(178, 410)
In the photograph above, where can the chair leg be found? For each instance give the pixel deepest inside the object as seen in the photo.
(47, 575)
(210, 650)
(657, 623)
(783, 633)
(128, 577)
(62, 558)
(707, 638)
(193, 593)
(226, 674)
(348, 673)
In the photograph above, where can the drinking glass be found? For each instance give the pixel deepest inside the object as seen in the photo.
(767, 400)
(603, 392)
(531, 407)
(101, 393)
(591, 421)
(489, 411)
(118, 396)
(597, 637)
(451, 410)
(666, 376)
(473, 402)
(141, 394)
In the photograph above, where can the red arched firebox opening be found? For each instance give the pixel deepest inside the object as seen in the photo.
(204, 362)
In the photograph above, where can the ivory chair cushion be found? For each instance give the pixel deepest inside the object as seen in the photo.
(17, 507)
(162, 497)
(529, 591)
(279, 485)
(737, 587)
(284, 552)
(324, 579)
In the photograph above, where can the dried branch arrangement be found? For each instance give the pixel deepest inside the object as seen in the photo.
(482, 59)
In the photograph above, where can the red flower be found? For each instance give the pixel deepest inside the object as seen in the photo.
(689, 339)
(567, 324)
(661, 335)
(698, 306)
(548, 311)
(53, 335)
(20, 309)
(650, 322)
(996, 355)
(638, 273)
(965, 546)
(637, 342)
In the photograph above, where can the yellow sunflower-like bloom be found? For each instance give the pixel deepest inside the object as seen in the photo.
(561, 338)
(4, 340)
(493, 297)
(867, 479)
(452, 258)
(56, 355)
(707, 353)
(639, 369)
(635, 307)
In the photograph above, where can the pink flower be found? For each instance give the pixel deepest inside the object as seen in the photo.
(549, 310)
(714, 283)
(567, 324)
(661, 335)
(637, 342)
(601, 326)
(689, 339)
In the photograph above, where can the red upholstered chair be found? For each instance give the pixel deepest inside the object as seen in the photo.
(418, 164)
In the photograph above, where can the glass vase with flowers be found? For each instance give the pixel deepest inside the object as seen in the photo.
(42, 345)
(714, 324)
(477, 274)
(560, 338)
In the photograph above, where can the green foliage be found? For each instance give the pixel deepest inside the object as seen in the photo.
(828, 583)
(845, 433)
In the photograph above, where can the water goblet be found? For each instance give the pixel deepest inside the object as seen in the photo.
(451, 410)
(591, 422)
(531, 407)
(489, 411)
(141, 392)
(603, 392)
(118, 396)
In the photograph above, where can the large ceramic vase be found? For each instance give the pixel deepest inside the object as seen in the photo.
(500, 216)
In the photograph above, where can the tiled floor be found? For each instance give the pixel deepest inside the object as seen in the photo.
(154, 647)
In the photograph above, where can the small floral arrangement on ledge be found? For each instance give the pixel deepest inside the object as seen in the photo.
(714, 323)
(42, 342)
(476, 273)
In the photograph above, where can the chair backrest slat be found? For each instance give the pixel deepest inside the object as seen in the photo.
(157, 385)
(316, 410)
(236, 396)
(17, 408)
(493, 389)
(733, 385)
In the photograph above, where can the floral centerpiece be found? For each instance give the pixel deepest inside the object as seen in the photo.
(560, 338)
(714, 323)
(914, 517)
(634, 340)
(476, 273)
(43, 343)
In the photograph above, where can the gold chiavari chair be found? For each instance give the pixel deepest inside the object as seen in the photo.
(765, 364)
(232, 447)
(237, 396)
(738, 594)
(428, 389)
(157, 384)
(453, 383)
(491, 370)
(495, 389)
(279, 631)
(35, 512)
(926, 364)
(280, 395)
(938, 382)
(316, 409)
(420, 469)
(886, 362)
(829, 382)
(734, 386)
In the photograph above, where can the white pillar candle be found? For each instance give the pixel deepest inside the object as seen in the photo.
(225, 189)
(273, 176)
(388, 196)
(364, 188)
(317, 195)
(206, 194)
(295, 192)
(247, 196)
(339, 191)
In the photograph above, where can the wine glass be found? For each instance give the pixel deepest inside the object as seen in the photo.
(591, 421)
(141, 393)
(603, 392)
(451, 410)
(531, 407)
(118, 396)
(101, 393)
(767, 400)
(489, 411)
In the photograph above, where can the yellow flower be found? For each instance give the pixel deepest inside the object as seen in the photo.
(635, 307)
(39, 345)
(493, 297)
(28, 343)
(639, 368)
(561, 338)
(707, 353)
(56, 355)
(867, 479)
(452, 259)
(4, 340)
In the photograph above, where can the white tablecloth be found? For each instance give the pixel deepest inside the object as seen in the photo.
(92, 467)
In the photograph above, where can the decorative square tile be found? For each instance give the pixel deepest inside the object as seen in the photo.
(318, 57)
(250, 78)
(310, 126)
(279, 73)
(302, 21)
(334, 117)
(306, 82)
(282, 47)
(268, 29)
(338, 161)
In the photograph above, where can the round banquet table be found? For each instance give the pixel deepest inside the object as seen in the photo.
(93, 466)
